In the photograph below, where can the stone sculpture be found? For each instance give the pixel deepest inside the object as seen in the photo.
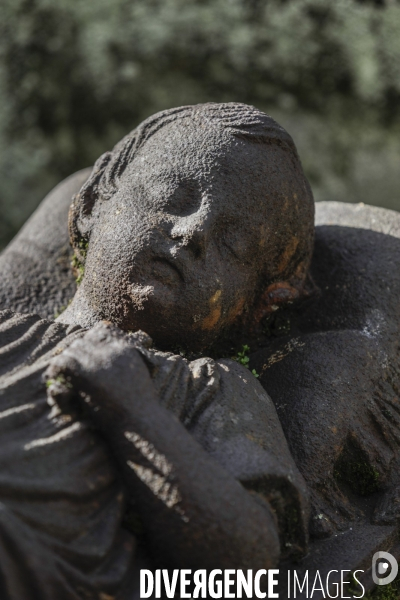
(197, 229)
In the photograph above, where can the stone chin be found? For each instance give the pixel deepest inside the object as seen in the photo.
(171, 325)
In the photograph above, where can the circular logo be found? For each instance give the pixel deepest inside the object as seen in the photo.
(384, 568)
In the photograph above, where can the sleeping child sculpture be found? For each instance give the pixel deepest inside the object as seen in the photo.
(191, 235)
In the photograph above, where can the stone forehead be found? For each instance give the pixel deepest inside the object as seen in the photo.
(199, 148)
(177, 142)
(210, 127)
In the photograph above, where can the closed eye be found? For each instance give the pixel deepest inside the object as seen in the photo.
(184, 201)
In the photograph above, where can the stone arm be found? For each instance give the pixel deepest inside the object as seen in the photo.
(196, 515)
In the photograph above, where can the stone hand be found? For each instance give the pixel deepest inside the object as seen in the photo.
(82, 378)
(195, 513)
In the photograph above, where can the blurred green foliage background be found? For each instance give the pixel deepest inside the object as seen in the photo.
(76, 75)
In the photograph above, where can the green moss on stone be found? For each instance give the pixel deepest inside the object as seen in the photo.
(385, 592)
(242, 358)
(78, 269)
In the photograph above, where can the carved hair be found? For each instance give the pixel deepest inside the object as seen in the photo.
(294, 213)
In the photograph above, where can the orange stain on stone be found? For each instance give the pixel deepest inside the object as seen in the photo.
(215, 312)
(287, 255)
(236, 310)
(212, 319)
(216, 297)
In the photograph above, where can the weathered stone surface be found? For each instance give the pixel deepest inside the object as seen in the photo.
(361, 216)
(335, 379)
(195, 228)
(351, 551)
(35, 267)
(199, 217)
(61, 498)
(61, 495)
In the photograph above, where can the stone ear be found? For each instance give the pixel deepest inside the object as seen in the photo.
(278, 294)
(80, 217)
(283, 293)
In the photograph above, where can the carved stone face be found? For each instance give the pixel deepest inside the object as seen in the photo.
(178, 250)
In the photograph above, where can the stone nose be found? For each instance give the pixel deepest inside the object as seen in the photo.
(193, 232)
